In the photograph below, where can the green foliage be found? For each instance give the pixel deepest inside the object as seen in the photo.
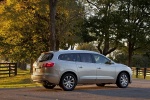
(135, 16)
(69, 16)
(86, 46)
(25, 26)
(141, 61)
(24, 32)
(115, 21)
(105, 26)
(121, 58)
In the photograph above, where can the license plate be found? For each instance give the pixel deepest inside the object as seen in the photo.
(38, 70)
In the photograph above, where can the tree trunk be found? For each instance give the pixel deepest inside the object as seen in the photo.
(106, 44)
(23, 65)
(31, 65)
(130, 53)
(52, 24)
(57, 44)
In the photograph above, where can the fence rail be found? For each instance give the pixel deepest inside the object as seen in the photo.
(8, 69)
(141, 71)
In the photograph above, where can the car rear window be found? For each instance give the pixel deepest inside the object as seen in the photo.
(45, 57)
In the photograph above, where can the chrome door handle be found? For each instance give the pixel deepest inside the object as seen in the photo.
(80, 67)
(99, 68)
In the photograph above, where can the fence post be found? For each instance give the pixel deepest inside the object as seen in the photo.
(145, 72)
(137, 71)
(9, 70)
(15, 69)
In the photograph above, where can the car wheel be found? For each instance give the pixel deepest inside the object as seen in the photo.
(123, 80)
(48, 85)
(68, 82)
(101, 84)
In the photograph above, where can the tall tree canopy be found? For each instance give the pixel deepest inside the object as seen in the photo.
(136, 24)
(115, 21)
(25, 27)
(105, 25)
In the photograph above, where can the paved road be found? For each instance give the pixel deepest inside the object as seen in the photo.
(138, 90)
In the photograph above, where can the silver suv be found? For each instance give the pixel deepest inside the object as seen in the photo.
(67, 68)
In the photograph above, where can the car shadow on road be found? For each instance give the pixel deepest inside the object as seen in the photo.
(113, 91)
(131, 92)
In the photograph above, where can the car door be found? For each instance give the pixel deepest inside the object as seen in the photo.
(86, 68)
(106, 71)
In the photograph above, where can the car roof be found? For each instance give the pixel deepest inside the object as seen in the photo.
(75, 51)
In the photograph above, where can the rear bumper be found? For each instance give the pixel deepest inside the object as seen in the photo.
(37, 78)
(41, 78)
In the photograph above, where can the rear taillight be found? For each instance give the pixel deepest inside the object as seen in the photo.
(48, 64)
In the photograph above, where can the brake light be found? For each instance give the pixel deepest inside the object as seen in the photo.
(49, 64)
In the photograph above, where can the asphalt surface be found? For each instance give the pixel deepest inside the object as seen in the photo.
(138, 90)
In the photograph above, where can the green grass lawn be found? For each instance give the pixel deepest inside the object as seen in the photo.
(23, 79)
(141, 77)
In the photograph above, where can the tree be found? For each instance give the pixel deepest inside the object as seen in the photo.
(69, 17)
(22, 31)
(63, 15)
(86, 46)
(131, 23)
(25, 27)
(105, 26)
(136, 22)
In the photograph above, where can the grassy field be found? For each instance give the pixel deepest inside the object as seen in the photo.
(23, 79)
(141, 77)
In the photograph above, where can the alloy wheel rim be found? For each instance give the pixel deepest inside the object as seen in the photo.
(124, 80)
(69, 82)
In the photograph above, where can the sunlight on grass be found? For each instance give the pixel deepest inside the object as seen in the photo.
(23, 79)
(141, 77)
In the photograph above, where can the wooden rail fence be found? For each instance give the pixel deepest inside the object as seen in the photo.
(8, 69)
(141, 71)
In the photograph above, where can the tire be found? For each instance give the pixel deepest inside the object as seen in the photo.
(48, 85)
(68, 82)
(101, 84)
(123, 80)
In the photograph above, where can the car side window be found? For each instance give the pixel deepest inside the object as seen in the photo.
(85, 57)
(67, 57)
(78, 59)
(100, 59)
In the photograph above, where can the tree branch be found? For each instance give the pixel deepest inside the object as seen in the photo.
(98, 47)
(111, 50)
(93, 4)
